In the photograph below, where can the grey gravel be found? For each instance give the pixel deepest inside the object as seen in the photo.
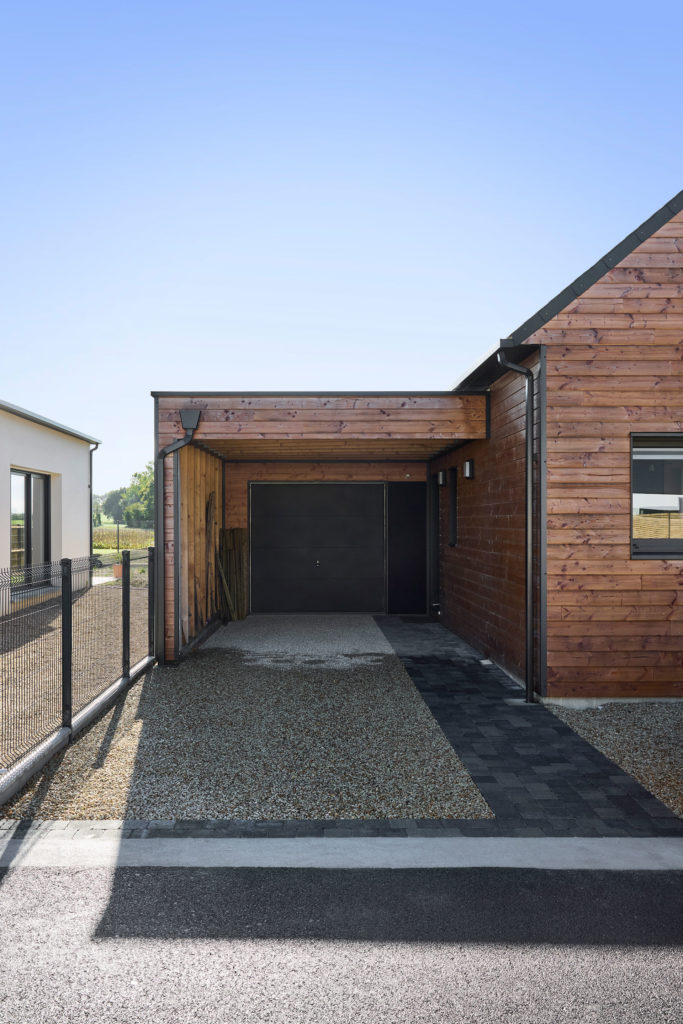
(320, 733)
(644, 739)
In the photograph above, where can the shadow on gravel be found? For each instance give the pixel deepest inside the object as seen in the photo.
(469, 905)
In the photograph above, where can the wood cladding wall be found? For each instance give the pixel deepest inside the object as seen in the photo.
(239, 474)
(482, 576)
(197, 509)
(614, 367)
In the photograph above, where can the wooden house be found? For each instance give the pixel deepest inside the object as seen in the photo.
(537, 508)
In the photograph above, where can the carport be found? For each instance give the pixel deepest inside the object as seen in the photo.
(332, 492)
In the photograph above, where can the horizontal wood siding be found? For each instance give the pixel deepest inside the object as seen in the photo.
(322, 427)
(239, 474)
(614, 366)
(482, 576)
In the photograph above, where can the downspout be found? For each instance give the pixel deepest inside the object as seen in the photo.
(528, 525)
(189, 419)
(97, 445)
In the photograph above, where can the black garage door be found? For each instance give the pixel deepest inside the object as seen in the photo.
(317, 548)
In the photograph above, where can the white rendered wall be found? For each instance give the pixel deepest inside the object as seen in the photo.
(66, 460)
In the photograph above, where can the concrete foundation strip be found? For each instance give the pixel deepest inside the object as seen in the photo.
(17, 776)
(622, 854)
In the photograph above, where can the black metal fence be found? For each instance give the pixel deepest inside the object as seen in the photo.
(68, 630)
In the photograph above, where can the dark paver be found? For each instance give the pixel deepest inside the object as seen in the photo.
(532, 769)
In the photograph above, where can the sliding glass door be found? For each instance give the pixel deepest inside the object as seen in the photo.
(29, 518)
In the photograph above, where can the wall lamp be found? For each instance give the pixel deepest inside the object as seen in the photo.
(441, 478)
(468, 469)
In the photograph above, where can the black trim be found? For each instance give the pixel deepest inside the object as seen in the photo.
(668, 549)
(528, 523)
(542, 514)
(452, 506)
(598, 270)
(491, 370)
(28, 476)
(176, 553)
(304, 394)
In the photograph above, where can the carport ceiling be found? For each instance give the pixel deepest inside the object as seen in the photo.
(326, 427)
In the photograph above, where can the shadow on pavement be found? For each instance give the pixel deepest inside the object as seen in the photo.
(468, 905)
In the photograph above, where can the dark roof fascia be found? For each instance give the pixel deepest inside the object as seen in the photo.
(490, 370)
(598, 270)
(301, 394)
(16, 410)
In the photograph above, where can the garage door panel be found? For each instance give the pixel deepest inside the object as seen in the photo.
(300, 563)
(322, 596)
(317, 547)
(317, 499)
(315, 531)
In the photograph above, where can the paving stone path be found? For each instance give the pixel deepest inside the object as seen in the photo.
(538, 776)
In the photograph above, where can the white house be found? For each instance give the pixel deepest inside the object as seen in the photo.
(45, 489)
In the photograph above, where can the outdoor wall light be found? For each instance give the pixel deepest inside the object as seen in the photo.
(441, 478)
(468, 469)
(189, 418)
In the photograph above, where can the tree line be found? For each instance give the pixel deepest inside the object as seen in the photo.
(132, 505)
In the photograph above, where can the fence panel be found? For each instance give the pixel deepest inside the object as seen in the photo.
(30, 658)
(96, 626)
(139, 605)
(68, 630)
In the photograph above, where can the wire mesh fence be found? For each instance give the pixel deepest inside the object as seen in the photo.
(68, 630)
(30, 658)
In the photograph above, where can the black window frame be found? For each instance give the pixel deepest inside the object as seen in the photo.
(645, 547)
(452, 507)
(28, 476)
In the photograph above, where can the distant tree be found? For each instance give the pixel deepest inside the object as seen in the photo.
(138, 499)
(113, 503)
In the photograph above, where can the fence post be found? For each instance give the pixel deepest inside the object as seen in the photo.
(125, 610)
(67, 644)
(150, 601)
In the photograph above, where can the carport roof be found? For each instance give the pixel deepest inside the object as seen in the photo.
(325, 426)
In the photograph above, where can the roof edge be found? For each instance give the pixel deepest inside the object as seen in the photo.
(441, 392)
(598, 270)
(25, 414)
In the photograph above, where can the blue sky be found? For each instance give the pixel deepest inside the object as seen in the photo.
(308, 195)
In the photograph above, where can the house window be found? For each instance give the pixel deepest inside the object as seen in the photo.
(452, 507)
(657, 495)
(29, 518)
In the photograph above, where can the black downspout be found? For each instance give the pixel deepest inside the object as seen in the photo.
(528, 525)
(159, 559)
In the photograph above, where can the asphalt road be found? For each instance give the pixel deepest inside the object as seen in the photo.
(160, 945)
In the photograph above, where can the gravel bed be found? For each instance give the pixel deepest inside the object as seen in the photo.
(645, 740)
(220, 736)
(30, 661)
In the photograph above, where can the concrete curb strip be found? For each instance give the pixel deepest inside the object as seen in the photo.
(623, 854)
(17, 777)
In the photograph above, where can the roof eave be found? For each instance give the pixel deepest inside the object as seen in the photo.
(26, 414)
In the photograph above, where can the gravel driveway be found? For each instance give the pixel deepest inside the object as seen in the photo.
(279, 717)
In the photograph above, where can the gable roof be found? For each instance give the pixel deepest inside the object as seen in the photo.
(598, 270)
(16, 410)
